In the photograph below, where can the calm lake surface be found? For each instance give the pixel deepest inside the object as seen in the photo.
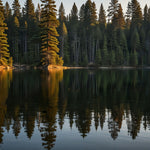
(75, 110)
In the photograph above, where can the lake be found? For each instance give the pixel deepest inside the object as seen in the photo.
(75, 110)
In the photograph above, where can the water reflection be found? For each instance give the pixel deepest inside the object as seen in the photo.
(5, 79)
(46, 100)
(50, 93)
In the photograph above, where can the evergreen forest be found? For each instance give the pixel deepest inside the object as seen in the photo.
(43, 35)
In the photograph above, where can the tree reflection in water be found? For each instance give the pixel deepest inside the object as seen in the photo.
(50, 90)
(5, 80)
(48, 99)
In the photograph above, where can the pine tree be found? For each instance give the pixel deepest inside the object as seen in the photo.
(98, 57)
(148, 47)
(29, 9)
(81, 13)
(102, 15)
(112, 57)
(16, 8)
(122, 41)
(62, 17)
(136, 13)
(74, 13)
(128, 15)
(93, 14)
(142, 49)
(66, 51)
(87, 13)
(49, 23)
(134, 58)
(38, 13)
(121, 20)
(90, 16)
(127, 60)
(15, 31)
(7, 11)
(63, 39)
(32, 32)
(4, 52)
(63, 34)
(123, 45)
(16, 51)
(36, 37)
(148, 17)
(135, 41)
(146, 14)
(113, 10)
(82, 37)
(73, 35)
(119, 56)
(8, 20)
(90, 21)
(105, 56)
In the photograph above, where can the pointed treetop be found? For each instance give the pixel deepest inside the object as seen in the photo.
(102, 15)
(16, 8)
(113, 9)
(74, 13)
(93, 14)
(137, 16)
(121, 20)
(81, 13)
(146, 13)
(61, 13)
(7, 10)
(29, 8)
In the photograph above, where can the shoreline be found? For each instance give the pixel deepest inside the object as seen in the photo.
(54, 67)
(5, 68)
(110, 68)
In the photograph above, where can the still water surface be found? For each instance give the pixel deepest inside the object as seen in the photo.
(75, 110)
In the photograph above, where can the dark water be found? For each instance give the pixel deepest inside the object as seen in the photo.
(75, 110)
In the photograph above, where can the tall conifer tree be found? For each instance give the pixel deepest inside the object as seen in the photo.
(81, 13)
(93, 14)
(29, 8)
(128, 15)
(146, 13)
(87, 13)
(62, 30)
(121, 20)
(49, 24)
(7, 11)
(16, 8)
(105, 56)
(136, 13)
(102, 15)
(4, 52)
(62, 13)
(113, 10)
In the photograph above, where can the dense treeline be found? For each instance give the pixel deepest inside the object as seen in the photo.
(81, 38)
